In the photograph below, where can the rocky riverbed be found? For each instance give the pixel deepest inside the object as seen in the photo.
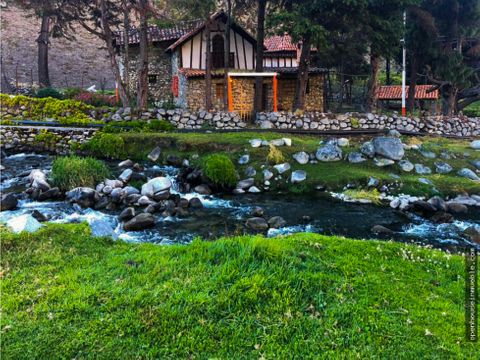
(165, 210)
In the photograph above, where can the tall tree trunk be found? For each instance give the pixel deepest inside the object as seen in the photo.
(372, 90)
(302, 76)
(126, 48)
(413, 83)
(42, 40)
(142, 89)
(208, 66)
(108, 38)
(227, 55)
(257, 104)
(451, 101)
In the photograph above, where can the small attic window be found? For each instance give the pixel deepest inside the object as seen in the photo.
(152, 79)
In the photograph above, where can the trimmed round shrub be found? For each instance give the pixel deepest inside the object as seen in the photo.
(48, 92)
(72, 171)
(220, 170)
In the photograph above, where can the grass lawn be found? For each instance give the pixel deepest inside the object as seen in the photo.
(67, 295)
(335, 175)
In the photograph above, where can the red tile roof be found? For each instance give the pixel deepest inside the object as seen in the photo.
(156, 34)
(394, 92)
(198, 72)
(280, 43)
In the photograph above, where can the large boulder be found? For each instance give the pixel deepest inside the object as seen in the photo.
(83, 196)
(329, 152)
(257, 224)
(38, 180)
(156, 186)
(23, 223)
(276, 222)
(389, 147)
(368, 149)
(140, 222)
(8, 202)
(127, 214)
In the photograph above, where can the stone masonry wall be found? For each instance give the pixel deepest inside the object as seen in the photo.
(314, 99)
(60, 141)
(195, 93)
(159, 72)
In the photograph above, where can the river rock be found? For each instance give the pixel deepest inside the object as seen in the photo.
(343, 142)
(405, 165)
(113, 183)
(126, 175)
(195, 203)
(107, 189)
(298, 176)
(287, 141)
(442, 217)
(126, 164)
(424, 207)
(250, 171)
(101, 228)
(254, 190)
(277, 142)
(255, 143)
(438, 203)
(456, 208)
(244, 159)
(442, 167)
(130, 190)
(473, 234)
(356, 158)
(257, 211)
(174, 160)
(389, 147)
(368, 149)
(140, 222)
(373, 182)
(394, 133)
(38, 180)
(117, 195)
(102, 203)
(382, 162)
(476, 163)
(422, 169)
(83, 196)
(156, 186)
(245, 184)
(203, 189)
(267, 174)
(301, 157)
(144, 201)
(39, 216)
(127, 214)
(281, 168)
(155, 154)
(475, 144)
(8, 202)
(329, 152)
(53, 193)
(380, 229)
(23, 223)
(469, 174)
(257, 224)
(276, 222)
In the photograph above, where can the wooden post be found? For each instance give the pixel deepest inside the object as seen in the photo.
(229, 90)
(275, 85)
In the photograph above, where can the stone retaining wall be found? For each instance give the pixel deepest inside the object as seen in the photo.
(438, 125)
(59, 141)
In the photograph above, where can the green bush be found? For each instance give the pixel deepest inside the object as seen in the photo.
(48, 92)
(105, 145)
(73, 171)
(70, 93)
(138, 126)
(220, 170)
(159, 125)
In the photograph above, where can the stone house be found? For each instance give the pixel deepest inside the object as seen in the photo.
(177, 67)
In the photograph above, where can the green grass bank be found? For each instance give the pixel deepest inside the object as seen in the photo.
(67, 295)
(334, 175)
